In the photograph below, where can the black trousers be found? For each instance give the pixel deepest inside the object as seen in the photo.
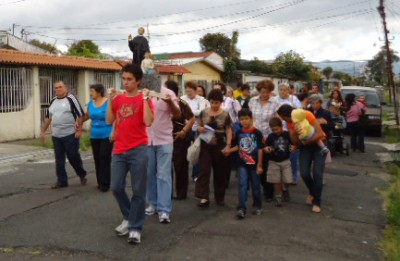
(181, 166)
(102, 149)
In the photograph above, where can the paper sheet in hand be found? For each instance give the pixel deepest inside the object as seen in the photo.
(208, 135)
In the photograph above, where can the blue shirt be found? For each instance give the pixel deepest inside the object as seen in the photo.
(99, 127)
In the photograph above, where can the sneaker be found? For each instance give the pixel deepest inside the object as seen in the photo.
(240, 214)
(164, 218)
(324, 150)
(83, 181)
(150, 210)
(286, 195)
(278, 201)
(257, 211)
(134, 237)
(122, 229)
(316, 209)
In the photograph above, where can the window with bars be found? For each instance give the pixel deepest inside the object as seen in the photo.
(15, 89)
(105, 78)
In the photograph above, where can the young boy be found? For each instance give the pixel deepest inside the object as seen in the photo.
(249, 146)
(279, 167)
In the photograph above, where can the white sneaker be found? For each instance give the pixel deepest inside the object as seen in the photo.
(122, 229)
(163, 217)
(134, 237)
(150, 210)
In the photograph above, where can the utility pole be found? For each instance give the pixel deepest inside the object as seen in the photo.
(13, 28)
(381, 10)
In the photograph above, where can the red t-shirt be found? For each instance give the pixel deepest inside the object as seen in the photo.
(130, 129)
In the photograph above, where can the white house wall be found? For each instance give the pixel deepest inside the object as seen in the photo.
(18, 125)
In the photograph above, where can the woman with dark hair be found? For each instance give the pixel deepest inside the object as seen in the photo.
(335, 104)
(182, 128)
(310, 155)
(201, 91)
(215, 123)
(100, 135)
(264, 107)
(354, 111)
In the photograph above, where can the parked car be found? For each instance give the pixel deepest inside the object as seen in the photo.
(374, 108)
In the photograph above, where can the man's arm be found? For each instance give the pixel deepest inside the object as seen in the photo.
(46, 125)
(318, 133)
(148, 116)
(175, 111)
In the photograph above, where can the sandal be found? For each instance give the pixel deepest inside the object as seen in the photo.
(203, 203)
(316, 209)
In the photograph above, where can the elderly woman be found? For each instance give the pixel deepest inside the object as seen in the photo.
(323, 116)
(285, 97)
(264, 108)
(211, 152)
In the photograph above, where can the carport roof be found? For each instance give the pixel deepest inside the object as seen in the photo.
(27, 58)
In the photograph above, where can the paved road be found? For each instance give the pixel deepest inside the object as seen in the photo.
(77, 223)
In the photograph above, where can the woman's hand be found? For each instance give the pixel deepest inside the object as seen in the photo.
(201, 129)
(227, 150)
(180, 135)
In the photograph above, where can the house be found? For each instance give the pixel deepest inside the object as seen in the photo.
(9, 41)
(253, 78)
(27, 86)
(205, 68)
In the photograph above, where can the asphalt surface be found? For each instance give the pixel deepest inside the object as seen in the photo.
(77, 223)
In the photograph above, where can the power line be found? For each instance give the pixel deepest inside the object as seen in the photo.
(14, 2)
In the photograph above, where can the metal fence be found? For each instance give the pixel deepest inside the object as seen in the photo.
(15, 89)
(105, 78)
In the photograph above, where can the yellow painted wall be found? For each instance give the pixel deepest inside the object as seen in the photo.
(202, 72)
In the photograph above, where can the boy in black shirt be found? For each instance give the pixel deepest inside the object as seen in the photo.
(278, 148)
(249, 145)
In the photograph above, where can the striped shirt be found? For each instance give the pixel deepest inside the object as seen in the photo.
(262, 114)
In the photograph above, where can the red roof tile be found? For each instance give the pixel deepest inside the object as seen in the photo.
(190, 55)
(171, 69)
(26, 58)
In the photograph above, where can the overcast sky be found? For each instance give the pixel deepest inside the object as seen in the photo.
(317, 29)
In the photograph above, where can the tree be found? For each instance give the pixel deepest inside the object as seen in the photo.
(255, 66)
(221, 44)
(346, 79)
(327, 72)
(291, 64)
(234, 51)
(378, 66)
(45, 46)
(85, 48)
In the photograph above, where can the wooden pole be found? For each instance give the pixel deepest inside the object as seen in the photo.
(381, 10)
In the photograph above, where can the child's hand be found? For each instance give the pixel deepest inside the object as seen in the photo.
(260, 170)
(293, 148)
(268, 149)
(226, 151)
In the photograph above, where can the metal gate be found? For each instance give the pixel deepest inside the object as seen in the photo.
(107, 79)
(47, 78)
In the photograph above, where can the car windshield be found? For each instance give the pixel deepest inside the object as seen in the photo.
(371, 98)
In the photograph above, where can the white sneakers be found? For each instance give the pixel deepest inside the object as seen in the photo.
(134, 237)
(163, 217)
(150, 210)
(123, 229)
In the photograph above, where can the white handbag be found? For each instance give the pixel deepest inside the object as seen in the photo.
(194, 152)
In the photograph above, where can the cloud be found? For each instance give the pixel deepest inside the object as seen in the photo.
(317, 29)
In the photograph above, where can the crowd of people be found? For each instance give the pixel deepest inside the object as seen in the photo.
(268, 139)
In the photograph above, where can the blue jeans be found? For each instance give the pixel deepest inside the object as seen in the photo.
(294, 161)
(244, 175)
(134, 161)
(67, 146)
(313, 179)
(159, 178)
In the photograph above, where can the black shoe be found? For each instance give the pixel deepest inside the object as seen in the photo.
(286, 196)
(58, 186)
(83, 180)
(179, 198)
(103, 189)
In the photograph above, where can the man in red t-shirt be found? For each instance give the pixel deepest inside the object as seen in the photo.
(130, 112)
